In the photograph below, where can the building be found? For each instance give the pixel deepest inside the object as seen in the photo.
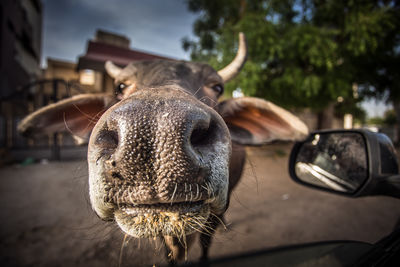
(89, 73)
(62, 79)
(20, 43)
(107, 46)
(20, 54)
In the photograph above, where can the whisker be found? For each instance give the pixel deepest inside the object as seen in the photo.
(238, 200)
(210, 188)
(67, 127)
(186, 247)
(197, 194)
(83, 113)
(121, 250)
(201, 228)
(118, 201)
(220, 220)
(197, 91)
(91, 120)
(254, 173)
(173, 194)
(212, 100)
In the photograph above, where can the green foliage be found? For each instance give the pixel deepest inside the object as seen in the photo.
(388, 119)
(375, 121)
(302, 53)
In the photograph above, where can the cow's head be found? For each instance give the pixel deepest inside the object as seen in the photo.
(159, 151)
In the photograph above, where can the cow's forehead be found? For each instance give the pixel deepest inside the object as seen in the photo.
(161, 72)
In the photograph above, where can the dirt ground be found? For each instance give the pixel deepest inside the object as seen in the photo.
(47, 220)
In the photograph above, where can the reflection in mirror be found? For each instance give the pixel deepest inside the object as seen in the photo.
(336, 161)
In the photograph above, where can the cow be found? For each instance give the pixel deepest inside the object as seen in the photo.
(164, 155)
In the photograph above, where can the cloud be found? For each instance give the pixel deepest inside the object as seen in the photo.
(152, 25)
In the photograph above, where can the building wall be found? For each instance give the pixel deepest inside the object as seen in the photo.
(112, 39)
(34, 14)
(90, 81)
(20, 53)
(20, 43)
(61, 69)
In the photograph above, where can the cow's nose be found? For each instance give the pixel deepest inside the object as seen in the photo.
(161, 139)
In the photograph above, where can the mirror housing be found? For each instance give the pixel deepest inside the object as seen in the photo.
(354, 163)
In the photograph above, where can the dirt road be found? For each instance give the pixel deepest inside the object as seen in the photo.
(47, 221)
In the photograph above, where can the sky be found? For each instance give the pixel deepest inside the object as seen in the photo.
(155, 26)
(375, 108)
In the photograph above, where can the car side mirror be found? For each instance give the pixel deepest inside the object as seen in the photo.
(349, 162)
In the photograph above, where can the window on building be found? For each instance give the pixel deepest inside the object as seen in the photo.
(86, 77)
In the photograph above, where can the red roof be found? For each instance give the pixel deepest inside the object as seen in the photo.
(98, 53)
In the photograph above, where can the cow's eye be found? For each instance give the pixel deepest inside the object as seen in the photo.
(219, 88)
(120, 88)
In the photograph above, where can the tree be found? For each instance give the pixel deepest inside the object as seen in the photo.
(390, 118)
(302, 53)
(379, 72)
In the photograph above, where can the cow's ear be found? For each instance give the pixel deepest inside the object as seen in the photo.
(254, 121)
(77, 115)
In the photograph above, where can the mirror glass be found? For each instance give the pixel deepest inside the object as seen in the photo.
(335, 161)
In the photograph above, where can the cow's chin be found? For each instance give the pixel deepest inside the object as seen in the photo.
(166, 219)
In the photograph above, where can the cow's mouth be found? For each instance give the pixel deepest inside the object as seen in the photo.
(171, 219)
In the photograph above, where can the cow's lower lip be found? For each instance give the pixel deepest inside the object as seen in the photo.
(150, 220)
(178, 207)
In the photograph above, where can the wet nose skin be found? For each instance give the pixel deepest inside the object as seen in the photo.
(158, 143)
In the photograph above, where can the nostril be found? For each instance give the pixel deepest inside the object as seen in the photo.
(201, 134)
(107, 140)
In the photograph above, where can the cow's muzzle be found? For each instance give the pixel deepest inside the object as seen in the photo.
(159, 153)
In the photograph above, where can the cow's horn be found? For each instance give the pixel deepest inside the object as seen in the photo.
(233, 69)
(112, 69)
